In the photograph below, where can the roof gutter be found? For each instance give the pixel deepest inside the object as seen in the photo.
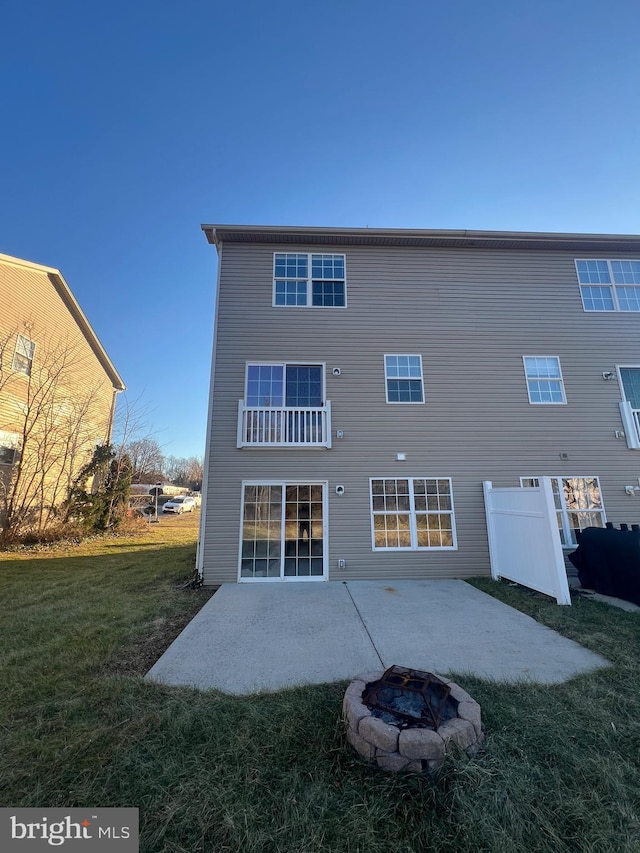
(442, 238)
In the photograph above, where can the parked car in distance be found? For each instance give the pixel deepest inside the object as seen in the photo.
(197, 497)
(180, 504)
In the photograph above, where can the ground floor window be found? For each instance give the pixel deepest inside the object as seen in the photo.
(578, 502)
(283, 531)
(412, 514)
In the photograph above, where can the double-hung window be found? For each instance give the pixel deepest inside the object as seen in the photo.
(311, 280)
(609, 285)
(412, 514)
(403, 378)
(544, 379)
(578, 503)
(23, 356)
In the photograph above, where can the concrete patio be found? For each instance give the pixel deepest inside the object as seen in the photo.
(265, 637)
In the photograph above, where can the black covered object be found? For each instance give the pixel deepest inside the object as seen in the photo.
(608, 561)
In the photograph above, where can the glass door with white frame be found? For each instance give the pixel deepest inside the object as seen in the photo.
(630, 378)
(283, 532)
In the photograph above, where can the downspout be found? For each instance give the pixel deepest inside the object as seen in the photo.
(112, 414)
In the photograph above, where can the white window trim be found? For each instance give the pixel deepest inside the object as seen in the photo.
(31, 358)
(325, 532)
(412, 516)
(309, 281)
(610, 284)
(283, 364)
(386, 378)
(559, 379)
(565, 518)
(10, 440)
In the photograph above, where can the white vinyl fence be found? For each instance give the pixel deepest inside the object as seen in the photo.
(524, 542)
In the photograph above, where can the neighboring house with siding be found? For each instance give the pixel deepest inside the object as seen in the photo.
(365, 382)
(57, 389)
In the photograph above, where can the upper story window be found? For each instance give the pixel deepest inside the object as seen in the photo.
(9, 444)
(309, 280)
(609, 285)
(544, 379)
(23, 356)
(403, 378)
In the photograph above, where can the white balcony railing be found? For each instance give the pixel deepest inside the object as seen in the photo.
(631, 422)
(284, 426)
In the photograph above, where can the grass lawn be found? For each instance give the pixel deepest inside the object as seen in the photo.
(273, 774)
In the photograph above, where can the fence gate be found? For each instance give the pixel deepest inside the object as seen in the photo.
(524, 542)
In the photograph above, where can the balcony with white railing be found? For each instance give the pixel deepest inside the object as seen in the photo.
(284, 426)
(631, 423)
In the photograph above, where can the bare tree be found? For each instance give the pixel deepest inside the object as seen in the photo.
(131, 424)
(57, 421)
(147, 461)
(185, 472)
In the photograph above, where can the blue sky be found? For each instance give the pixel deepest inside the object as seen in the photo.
(126, 125)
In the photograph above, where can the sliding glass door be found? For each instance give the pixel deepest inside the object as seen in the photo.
(283, 534)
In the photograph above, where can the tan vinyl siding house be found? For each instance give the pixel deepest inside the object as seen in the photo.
(57, 383)
(487, 329)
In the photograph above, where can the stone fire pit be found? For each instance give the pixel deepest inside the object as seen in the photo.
(402, 747)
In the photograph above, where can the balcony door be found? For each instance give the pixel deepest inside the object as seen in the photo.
(290, 385)
(284, 405)
(283, 535)
(630, 381)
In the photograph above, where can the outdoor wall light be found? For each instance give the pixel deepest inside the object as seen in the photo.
(608, 374)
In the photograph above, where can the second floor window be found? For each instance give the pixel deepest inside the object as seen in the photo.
(23, 356)
(609, 285)
(9, 444)
(310, 280)
(403, 377)
(544, 379)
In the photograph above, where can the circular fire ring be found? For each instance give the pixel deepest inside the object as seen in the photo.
(397, 747)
